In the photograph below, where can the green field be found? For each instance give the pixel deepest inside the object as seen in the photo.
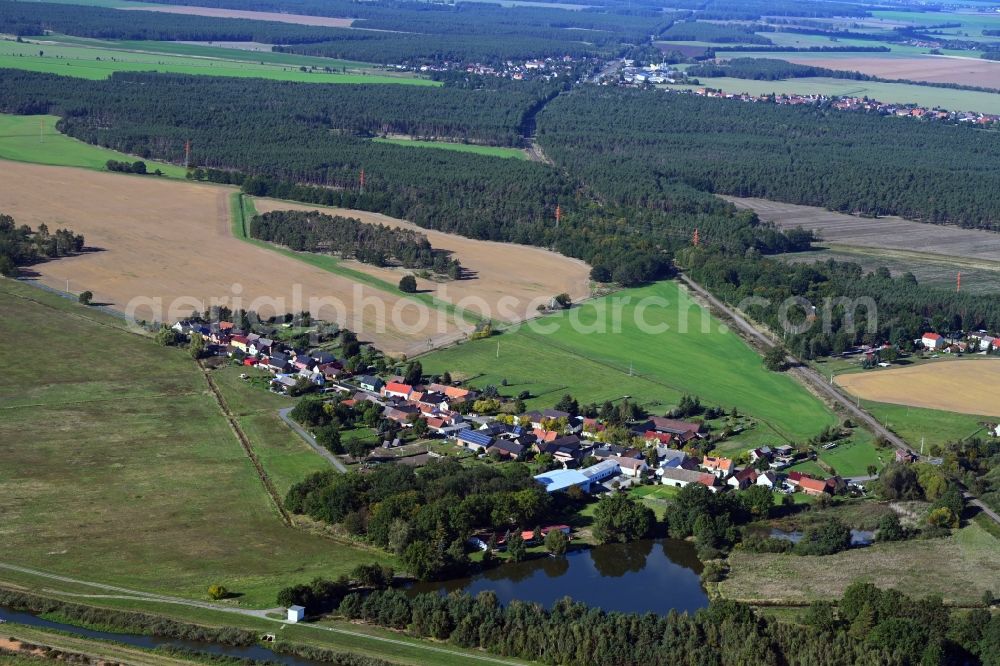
(852, 457)
(930, 425)
(710, 362)
(492, 151)
(898, 93)
(36, 139)
(73, 59)
(120, 467)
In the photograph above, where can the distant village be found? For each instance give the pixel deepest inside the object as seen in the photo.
(517, 70)
(632, 75)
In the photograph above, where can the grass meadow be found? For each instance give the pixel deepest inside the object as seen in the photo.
(490, 151)
(87, 62)
(576, 356)
(912, 567)
(36, 139)
(119, 466)
(932, 426)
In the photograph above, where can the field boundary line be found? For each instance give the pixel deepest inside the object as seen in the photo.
(269, 487)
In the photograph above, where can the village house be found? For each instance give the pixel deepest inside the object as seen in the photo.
(632, 467)
(539, 419)
(678, 478)
(743, 479)
(768, 479)
(720, 467)
(370, 383)
(932, 341)
(506, 448)
(474, 440)
(396, 390)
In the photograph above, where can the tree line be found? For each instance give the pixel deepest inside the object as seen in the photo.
(20, 246)
(865, 627)
(350, 237)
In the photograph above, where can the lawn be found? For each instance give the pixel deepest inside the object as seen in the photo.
(925, 426)
(898, 93)
(853, 456)
(959, 568)
(92, 62)
(491, 151)
(36, 139)
(119, 466)
(584, 352)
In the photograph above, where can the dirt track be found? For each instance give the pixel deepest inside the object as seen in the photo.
(953, 386)
(522, 275)
(171, 241)
(297, 19)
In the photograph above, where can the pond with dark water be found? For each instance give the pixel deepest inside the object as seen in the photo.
(643, 576)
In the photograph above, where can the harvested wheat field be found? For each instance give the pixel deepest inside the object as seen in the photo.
(507, 282)
(889, 232)
(965, 386)
(297, 19)
(935, 69)
(170, 243)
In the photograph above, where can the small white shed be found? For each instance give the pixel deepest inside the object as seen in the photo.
(295, 614)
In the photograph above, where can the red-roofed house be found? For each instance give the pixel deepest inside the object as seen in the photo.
(721, 467)
(744, 478)
(812, 486)
(397, 390)
(932, 341)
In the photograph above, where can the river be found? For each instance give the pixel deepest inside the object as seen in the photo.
(644, 576)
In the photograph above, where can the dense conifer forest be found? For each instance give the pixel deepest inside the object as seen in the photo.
(635, 144)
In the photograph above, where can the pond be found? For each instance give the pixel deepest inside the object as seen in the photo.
(644, 576)
(255, 652)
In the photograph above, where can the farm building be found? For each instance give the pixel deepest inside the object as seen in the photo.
(369, 383)
(564, 479)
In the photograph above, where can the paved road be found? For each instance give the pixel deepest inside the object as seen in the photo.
(125, 593)
(805, 373)
(310, 440)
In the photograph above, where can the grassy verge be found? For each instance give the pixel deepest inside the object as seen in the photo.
(35, 139)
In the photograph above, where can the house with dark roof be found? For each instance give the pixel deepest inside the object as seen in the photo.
(743, 479)
(506, 448)
(370, 383)
(278, 362)
(474, 439)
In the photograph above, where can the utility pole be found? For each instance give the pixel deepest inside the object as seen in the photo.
(558, 215)
(361, 180)
(498, 349)
(958, 282)
(187, 154)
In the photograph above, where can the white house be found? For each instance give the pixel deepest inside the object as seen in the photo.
(932, 341)
(630, 466)
(296, 614)
(768, 479)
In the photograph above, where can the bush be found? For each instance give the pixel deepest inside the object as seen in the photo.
(827, 538)
(86, 297)
(408, 284)
(216, 592)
